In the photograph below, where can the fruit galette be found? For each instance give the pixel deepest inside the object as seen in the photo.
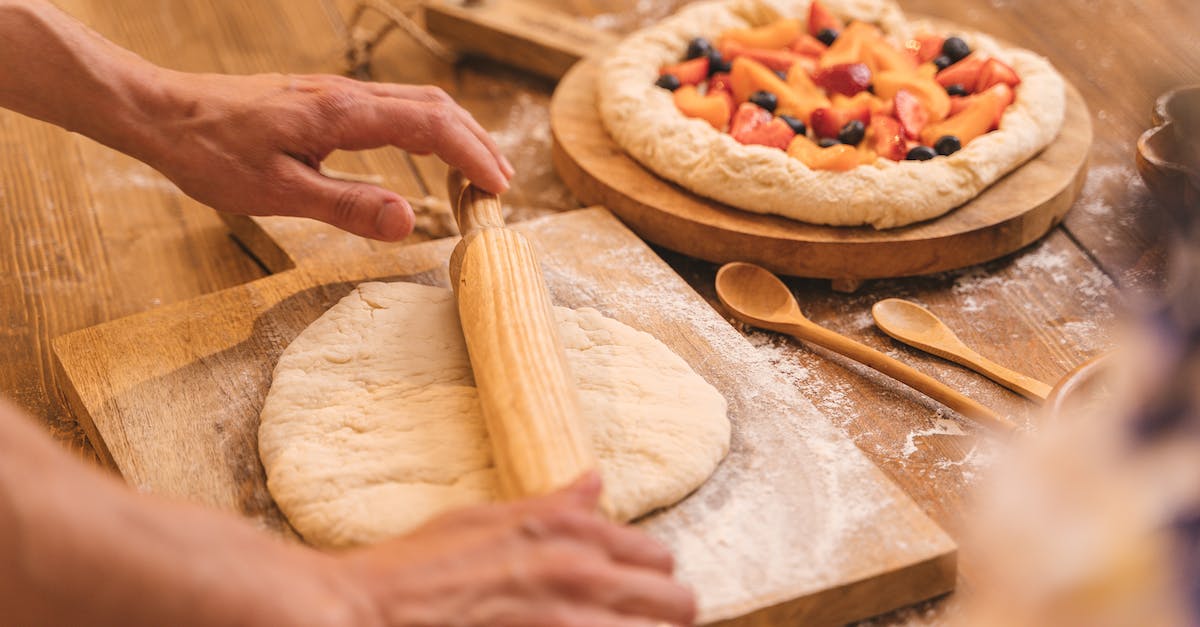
(835, 112)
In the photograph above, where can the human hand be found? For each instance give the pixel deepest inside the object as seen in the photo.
(543, 562)
(253, 144)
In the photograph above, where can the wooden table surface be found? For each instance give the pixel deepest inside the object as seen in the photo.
(90, 235)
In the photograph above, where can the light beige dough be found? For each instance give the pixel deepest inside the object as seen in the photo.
(372, 423)
(645, 122)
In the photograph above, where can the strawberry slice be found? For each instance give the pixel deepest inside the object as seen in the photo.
(828, 122)
(996, 72)
(720, 82)
(889, 138)
(782, 60)
(911, 113)
(689, 72)
(965, 73)
(808, 46)
(844, 78)
(819, 18)
(755, 125)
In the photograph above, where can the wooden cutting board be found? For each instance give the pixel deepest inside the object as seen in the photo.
(796, 525)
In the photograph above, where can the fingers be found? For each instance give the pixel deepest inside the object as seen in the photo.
(361, 121)
(429, 93)
(621, 589)
(359, 208)
(570, 512)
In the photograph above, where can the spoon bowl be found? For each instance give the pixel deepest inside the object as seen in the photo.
(757, 293)
(916, 326)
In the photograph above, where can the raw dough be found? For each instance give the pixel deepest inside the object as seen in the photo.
(372, 423)
(645, 122)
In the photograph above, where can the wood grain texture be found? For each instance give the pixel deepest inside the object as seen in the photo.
(1042, 310)
(1121, 55)
(1009, 215)
(795, 523)
(759, 298)
(545, 42)
(916, 326)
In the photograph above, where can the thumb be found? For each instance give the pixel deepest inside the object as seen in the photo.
(360, 208)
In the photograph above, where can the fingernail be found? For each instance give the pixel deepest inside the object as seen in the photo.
(508, 168)
(394, 221)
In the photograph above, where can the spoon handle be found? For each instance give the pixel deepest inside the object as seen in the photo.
(1026, 386)
(914, 379)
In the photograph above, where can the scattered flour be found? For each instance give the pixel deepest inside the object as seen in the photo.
(794, 493)
(524, 138)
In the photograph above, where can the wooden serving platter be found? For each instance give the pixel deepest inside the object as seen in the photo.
(796, 526)
(1014, 212)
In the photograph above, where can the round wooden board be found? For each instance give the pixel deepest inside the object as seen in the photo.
(1015, 211)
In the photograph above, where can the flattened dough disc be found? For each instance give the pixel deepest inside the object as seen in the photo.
(372, 423)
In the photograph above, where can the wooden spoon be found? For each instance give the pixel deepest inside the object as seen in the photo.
(916, 326)
(757, 297)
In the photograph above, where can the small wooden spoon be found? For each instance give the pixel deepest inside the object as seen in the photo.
(759, 298)
(917, 326)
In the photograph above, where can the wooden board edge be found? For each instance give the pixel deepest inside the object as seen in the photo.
(253, 237)
(533, 38)
(856, 600)
(75, 404)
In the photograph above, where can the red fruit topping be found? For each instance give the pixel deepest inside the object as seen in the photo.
(911, 113)
(965, 73)
(689, 72)
(889, 139)
(926, 47)
(720, 82)
(755, 125)
(828, 122)
(845, 78)
(819, 18)
(995, 72)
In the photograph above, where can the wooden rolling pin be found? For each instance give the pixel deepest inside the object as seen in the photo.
(526, 390)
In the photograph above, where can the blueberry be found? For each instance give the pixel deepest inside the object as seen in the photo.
(765, 99)
(956, 49)
(956, 90)
(669, 82)
(796, 124)
(827, 36)
(852, 133)
(699, 47)
(781, 74)
(947, 145)
(717, 63)
(942, 62)
(826, 142)
(920, 153)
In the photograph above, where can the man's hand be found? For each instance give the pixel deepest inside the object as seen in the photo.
(243, 144)
(253, 144)
(536, 563)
